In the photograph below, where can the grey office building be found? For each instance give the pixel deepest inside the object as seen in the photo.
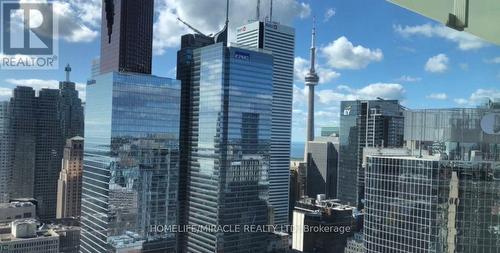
(373, 123)
(445, 195)
(280, 41)
(131, 161)
(5, 151)
(230, 132)
(322, 169)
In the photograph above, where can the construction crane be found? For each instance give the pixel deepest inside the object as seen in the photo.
(192, 28)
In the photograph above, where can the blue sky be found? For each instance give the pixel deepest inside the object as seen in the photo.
(366, 49)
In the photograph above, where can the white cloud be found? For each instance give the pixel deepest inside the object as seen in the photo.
(208, 17)
(39, 84)
(5, 93)
(342, 54)
(329, 13)
(464, 40)
(344, 92)
(302, 68)
(495, 60)
(461, 101)
(478, 97)
(437, 96)
(437, 64)
(408, 79)
(78, 20)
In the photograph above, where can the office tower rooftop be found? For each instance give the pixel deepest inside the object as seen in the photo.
(311, 214)
(364, 123)
(127, 36)
(279, 39)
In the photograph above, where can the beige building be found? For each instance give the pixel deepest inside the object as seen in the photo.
(25, 238)
(69, 186)
(16, 210)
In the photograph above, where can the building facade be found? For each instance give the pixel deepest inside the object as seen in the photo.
(322, 225)
(280, 40)
(23, 103)
(127, 36)
(364, 124)
(131, 162)
(445, 195)
(6, 151)
(322, 169)
(48, 152)
(230, 132)
(24, 238)
(69, 185)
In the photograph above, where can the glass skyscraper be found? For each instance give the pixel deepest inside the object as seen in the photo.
(231, 106)
(374, 123)
(127, 36)
(446, 196)
(5, 152)
(280, 41)
(131, 159)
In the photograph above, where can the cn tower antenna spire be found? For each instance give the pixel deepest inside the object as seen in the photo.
(312, 80)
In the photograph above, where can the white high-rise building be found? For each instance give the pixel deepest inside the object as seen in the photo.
(280, 40)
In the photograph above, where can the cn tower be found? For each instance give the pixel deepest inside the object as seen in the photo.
(312, 80)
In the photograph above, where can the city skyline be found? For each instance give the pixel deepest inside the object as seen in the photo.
(444, 68)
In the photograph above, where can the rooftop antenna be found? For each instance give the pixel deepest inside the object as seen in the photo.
(271, 12)
(227, 13)
(257, 16)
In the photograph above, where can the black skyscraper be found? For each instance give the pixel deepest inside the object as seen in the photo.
(127, 36)
(23, 105)
(48, 152)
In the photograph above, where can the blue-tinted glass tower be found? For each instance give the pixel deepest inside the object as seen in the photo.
(130, 163)
(230, 130)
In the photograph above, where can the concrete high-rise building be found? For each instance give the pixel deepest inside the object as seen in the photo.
(364, 123)
(69, 186)
(23, 104)
(280, 41)
(6, 152)
(443, 196)
(127, 36)
(322, 168)
(131, 162)
(48, 152)
(230, 134)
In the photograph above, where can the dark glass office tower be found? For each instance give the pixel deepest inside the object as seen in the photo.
(23, 104)
(131, 161)
(322, 164)
(5, 151)
(445, 196)
(229, 144)
(71, 111)
(127, 36)
(48, 152)
(375, 123)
